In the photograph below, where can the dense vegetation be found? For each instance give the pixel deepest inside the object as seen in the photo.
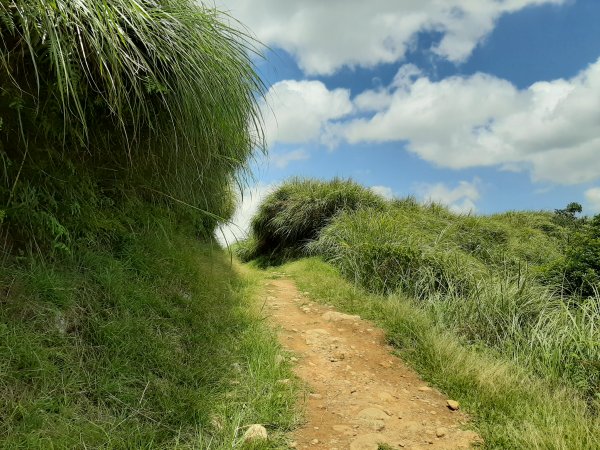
(123, 127)
(154, 345)
(523, 284)
(101, 101)
(294, 214)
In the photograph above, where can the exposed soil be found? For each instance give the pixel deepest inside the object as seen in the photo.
(360, 396)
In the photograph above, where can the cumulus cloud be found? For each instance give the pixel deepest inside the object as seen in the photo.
(248, 202)
(459, 199)
(551, 128)
(383, 191)
(327, 35)
(297, 111)
(282, 160)
(592, 197)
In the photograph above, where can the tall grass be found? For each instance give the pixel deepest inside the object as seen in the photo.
(160, 97)
(295, 213)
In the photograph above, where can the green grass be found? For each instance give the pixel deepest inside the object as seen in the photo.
(124, 126)
(152, 343)
(511, 407)
(102, 100)
(295, 213)
(477, 276)
(426, 249)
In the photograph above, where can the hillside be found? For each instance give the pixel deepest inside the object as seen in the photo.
(490, 282)
(124, 127)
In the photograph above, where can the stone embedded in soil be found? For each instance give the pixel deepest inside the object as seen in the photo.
(440, 432)
(373, 414)
(337, 356)
(425, 389)
(453, 405)
(255, 433)
(374, 418)
(334, 316)
(386, 397)
(368, 442)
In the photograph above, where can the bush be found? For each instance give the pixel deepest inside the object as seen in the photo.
(293, 215)
(578, 271)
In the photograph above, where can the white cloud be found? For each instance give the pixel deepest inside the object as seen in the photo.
(327, 35)
(298, 110)
(248, 203)
(460, 199)
(282, 160)
(592, 197)
(384, 191)
(551, 128)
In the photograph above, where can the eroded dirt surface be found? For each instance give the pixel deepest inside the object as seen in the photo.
(359, 395)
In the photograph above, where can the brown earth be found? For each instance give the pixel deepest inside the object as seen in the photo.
(360, 396)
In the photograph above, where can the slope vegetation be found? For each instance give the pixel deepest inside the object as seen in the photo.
(492, 280)
(123, 127)
(154, 343)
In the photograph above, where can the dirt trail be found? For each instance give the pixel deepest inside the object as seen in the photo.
(361, 395)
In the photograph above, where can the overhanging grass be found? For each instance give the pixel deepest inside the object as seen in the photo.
(101, 100)
(512, 408)
(152, 343)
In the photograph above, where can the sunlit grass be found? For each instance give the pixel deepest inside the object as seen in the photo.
(155, 343)
(156, 97)
(511, 407)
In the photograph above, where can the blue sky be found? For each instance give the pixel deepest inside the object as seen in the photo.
(484, 105)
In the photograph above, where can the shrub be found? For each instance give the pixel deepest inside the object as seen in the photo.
(578, 271)
(294, 214)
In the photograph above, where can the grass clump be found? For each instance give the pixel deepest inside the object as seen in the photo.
(155, 343)
(424, 250)
(103, 100)
(294, 214)
(511, 408)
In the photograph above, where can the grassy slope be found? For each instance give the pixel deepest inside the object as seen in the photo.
(150, 344)
(477, 276)
(512, 409)
(424, 248)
